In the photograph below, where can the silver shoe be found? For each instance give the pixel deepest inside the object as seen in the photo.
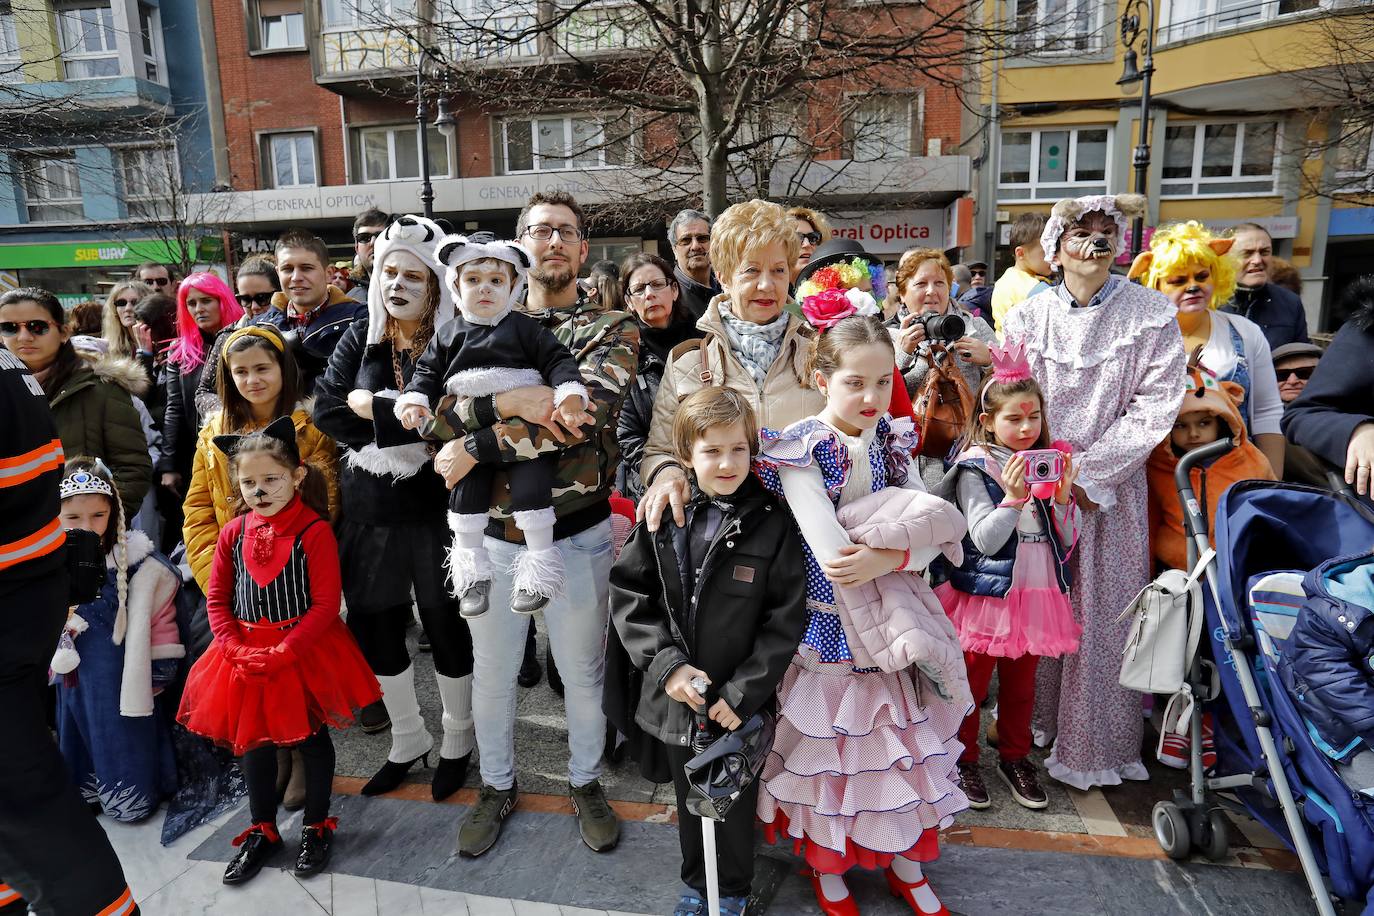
(475, 601)
(523, 602)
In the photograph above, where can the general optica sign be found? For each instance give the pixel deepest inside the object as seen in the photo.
(893, 231)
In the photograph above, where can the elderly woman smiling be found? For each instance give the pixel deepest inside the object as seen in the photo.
(750, 345)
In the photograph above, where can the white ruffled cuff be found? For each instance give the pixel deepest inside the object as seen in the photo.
(409, 398)
(567, 388)
(1102, 497)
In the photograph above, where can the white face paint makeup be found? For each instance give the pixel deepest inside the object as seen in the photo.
(405, 285)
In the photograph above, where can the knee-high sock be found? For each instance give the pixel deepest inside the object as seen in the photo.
(409, 737)
(459, 735)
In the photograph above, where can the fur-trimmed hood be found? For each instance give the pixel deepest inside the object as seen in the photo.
(123, 371)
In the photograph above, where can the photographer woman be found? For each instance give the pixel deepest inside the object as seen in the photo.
(924, 276)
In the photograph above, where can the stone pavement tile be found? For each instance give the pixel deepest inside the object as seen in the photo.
(148, 865)
(394, 897)
(533, 908)
(442, 903)
(353, 896)
(201, 892)
(321, 887)
(490, 906)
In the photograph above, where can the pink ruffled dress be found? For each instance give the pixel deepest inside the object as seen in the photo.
(863, 764)
(1035, 617)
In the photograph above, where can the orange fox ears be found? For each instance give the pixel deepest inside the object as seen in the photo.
(1141, 265)
(1221, 246)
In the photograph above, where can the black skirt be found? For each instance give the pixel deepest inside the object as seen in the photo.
(383, 565)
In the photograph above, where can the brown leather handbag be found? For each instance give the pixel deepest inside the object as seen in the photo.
(943, 405)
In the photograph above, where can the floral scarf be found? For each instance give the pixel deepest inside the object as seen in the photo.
(755, 345)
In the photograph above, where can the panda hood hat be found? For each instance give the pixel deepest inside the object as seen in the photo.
(416, 235)
(453, 251)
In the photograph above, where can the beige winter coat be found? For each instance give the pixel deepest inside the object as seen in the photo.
(895, 621)
(787, 394)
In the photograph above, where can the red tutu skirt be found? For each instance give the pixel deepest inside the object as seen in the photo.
(326, 684)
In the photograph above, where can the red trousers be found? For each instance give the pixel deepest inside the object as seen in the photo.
(1015, 697)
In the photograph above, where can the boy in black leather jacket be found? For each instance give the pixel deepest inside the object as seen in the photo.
(720, 599)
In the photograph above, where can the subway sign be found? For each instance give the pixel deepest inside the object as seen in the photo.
(125, 253)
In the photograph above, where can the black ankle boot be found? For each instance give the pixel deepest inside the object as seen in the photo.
(449, 776)
(256, 845)
(530, 672)
(392, 774)
(315, 842)
(555, 680)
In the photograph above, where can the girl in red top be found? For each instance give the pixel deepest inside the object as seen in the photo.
(283, 668)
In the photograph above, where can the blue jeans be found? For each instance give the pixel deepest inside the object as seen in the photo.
(576, 623)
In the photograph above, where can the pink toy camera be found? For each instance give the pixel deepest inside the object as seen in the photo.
(1043, 465)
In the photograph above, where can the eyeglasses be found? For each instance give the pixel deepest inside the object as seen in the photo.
(542, 233)
(37, 327)
(1302, 372)
(642, 290)
(978, 273)
(813, 237)
(159, 282)
(690, 239)
(258, 299)
(125, 303)
(362, 238)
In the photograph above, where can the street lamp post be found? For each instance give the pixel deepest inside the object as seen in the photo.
(444, 122)
(1134, 30)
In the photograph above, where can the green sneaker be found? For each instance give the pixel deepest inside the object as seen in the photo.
(598, 823)
(482, 828)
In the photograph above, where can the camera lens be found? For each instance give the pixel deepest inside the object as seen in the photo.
(1042, 468)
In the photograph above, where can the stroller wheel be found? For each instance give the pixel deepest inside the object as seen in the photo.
(1216, 840)
(1171, 829)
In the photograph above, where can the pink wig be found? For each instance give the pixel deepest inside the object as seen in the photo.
(188, 350)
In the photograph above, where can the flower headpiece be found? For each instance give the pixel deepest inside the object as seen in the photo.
(832, 293)
(81, 483)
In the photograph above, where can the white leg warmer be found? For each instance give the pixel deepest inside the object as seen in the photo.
(468, 561)
(538, 569)
(459, 735)
(409, 737)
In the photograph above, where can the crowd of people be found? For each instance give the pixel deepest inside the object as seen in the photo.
(844, 525)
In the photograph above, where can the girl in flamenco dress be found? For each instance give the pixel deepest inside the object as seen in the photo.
(863, 768)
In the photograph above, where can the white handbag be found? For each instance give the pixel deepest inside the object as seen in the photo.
(1165, 632)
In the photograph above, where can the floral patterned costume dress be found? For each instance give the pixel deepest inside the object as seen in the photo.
(863, 766)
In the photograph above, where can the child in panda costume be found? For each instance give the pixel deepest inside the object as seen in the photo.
(488, 349)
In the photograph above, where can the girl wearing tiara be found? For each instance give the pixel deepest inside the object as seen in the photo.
(862, 771)
(1009, 598)
(115, 655)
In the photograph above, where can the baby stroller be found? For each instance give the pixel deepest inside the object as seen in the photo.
(1268, 536)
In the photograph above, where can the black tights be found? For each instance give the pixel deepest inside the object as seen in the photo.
(260, 772)
(382, 637)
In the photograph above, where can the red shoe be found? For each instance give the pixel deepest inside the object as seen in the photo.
(845, 907)
(900, 888)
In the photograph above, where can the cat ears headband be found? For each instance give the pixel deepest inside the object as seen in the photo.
(283, 429)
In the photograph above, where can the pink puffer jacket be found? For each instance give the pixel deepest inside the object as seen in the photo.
(895, 621)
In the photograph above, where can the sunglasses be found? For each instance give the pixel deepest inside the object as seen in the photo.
(978, 273)
(697, 239)
(1302, 372)
(813, 237)
(362, 238)
(125, 303)
(158, 282)
(258, 299)
(37, 327)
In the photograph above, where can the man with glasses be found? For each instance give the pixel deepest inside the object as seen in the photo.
(690, 235)
(977, 296)
(517, 426)
(368, 225)
(158, 276)
(1294, 364)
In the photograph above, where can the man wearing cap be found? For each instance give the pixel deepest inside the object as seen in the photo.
(1294, 364)
(977, 298)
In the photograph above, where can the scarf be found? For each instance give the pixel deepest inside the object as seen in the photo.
(756, 346)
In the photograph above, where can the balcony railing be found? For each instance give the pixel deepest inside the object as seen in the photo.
(364, 50)
(493, 38)
(1228, 15)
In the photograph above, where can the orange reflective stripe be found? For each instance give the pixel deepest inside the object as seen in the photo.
(42, 542)
(7, 895)
(125, 904)
(22, 468)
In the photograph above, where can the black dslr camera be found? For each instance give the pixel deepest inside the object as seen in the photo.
(946, 328)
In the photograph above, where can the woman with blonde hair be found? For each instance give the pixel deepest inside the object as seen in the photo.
(118, 324)
(1194, 269)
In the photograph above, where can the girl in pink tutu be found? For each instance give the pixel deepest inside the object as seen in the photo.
(862, 771)
(1009, 598)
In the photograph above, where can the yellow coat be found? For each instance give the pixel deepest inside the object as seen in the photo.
(208, 506)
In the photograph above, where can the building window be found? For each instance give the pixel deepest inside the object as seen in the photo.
(281, 25)
(1058, 26)
(560, 142)
(1228, 158)
(885, 126)
(1354, 156)
(149, 33)
(352, 14)
(87, 33)
(1050, 164)
(52, 188)
(289, 159)
(393, 153)
(11, 60)
(150, 177)
(1197, 18)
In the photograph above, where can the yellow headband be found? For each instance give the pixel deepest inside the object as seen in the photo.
(254, 330)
